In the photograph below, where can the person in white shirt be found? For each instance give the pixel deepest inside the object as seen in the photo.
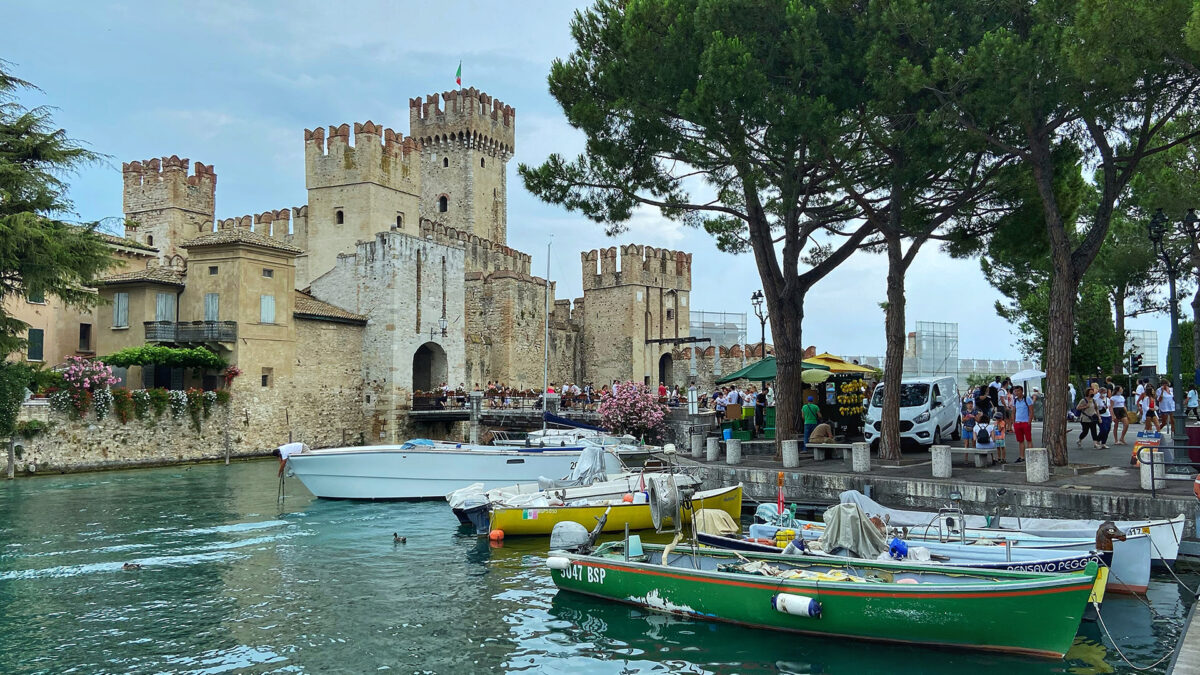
(1193, 403)
(1166, 406)
(1103, 407)
(1071, 404)
(1119, 415)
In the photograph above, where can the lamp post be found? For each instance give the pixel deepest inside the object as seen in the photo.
(440, 327)
(1157, 230)
(757, 300)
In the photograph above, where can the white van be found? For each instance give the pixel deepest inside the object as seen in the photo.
(929, 411)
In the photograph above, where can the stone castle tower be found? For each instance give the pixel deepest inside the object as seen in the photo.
(167, 204)
(466, 146)
(635, 306)
(354, 191)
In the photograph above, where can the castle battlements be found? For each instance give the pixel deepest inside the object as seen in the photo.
(483, 255)
(634, 264)
(377, 155)
(469, 117)
(166, 183)
(277, 224)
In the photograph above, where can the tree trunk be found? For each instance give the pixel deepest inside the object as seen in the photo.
(1195, 333)
(1058, 364)
(893, 367)
(1119, 314)
(789, 358)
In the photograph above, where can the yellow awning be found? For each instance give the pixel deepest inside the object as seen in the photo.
(837, 365)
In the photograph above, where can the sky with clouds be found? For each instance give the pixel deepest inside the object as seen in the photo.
(234, 84)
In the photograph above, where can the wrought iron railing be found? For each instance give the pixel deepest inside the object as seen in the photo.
(191, 331)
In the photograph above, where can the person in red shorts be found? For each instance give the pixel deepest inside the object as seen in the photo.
(1022, 418)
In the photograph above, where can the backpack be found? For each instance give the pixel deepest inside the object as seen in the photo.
(982, 435)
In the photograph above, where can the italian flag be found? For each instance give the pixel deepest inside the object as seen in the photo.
(458, 74)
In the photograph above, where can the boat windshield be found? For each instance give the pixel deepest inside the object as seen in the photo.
(911, 395)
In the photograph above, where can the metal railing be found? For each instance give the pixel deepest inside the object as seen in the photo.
(1145, 456)
(191, 331)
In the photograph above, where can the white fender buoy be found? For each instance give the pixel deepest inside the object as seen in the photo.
(796, 605)
(558, 562)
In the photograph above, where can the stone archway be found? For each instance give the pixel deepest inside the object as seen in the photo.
(666, 368)
(428, 367)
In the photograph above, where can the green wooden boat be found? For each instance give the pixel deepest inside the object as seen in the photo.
(1021, 612)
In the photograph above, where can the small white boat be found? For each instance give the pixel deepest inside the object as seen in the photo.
(1165, 534)
(421, 469)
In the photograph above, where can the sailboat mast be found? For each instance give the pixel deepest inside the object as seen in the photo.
(546, 342)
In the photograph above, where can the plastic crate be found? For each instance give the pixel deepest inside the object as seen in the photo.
(769, 433)
(769, 417)
(747, 412)
(742, 435)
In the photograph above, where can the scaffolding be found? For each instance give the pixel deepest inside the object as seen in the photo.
(936, 349)
(1144, 342)
(722, 328)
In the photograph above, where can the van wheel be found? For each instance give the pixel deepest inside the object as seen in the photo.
(956, 435)
(937, 436)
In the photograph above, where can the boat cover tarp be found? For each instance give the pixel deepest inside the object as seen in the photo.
(715, 521)
(1046, 527)
(847, 527)
(587, 470)
(551, 418)
(291, 449)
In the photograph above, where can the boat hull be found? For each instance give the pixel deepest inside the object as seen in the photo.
(540, 521)
(1037, 617)
(391, 472)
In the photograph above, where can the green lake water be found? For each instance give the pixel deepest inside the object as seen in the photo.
(234, 582)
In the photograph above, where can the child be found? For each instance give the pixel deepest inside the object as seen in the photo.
(968, 424)
(998, 437)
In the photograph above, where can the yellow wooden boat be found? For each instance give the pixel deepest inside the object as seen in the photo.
(516, 521)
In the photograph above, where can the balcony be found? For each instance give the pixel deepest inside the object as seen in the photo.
(182, 332)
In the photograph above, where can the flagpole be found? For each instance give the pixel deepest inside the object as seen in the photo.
(546, 342)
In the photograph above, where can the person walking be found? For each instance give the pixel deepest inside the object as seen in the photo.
(1193, 403)
(1102, 407)
(812, 417)
(1166, 407)
(1089, 418)
(1120, 415)
(1071, 402)
(1022, 420)
(1149, 410)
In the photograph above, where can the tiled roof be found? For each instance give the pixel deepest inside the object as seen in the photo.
(157, 275)
(126, 242)
(309, 307)
(240, 235)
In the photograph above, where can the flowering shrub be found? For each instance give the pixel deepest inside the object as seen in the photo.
(88, 374)
(141, 403)
(632, 409)
(125, 404)
(102, 402)
(209, 398)
(223, 397)
(159, 400)
(73, 402)
(195, 406)
(231, 371)
(178, 402)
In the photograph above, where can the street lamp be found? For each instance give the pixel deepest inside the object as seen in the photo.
(757, 300)
(1157, 230)
(441, 327)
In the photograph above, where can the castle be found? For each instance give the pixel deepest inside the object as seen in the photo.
(394, 277)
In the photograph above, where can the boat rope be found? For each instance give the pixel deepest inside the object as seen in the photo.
(1145, 601)
(1193, 592)
(1117, 648)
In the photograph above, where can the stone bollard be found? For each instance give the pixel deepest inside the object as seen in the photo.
(697, 446)
(941, 461)
(1037, 465)
(791, 454)
(861, 458)
(1152, 459)
(733, 451)
(714, 449)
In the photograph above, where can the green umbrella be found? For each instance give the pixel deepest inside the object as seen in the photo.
(761, 371)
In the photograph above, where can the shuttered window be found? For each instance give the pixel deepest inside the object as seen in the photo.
(266, 309)
(212, 307)
(34, 350)
(164, 309)
(120, 310)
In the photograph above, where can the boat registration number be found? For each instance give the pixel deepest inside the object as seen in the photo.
(1145, 529)
(593, 575)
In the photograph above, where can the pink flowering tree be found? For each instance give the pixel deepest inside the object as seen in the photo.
(633, 409)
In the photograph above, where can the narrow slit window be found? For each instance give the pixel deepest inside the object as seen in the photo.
(443, 204)
(339, 217)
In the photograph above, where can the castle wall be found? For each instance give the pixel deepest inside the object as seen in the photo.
(482, 255)
(373, 186)
(403, 285)
(465, 148)
(710, 366)
(167, 205)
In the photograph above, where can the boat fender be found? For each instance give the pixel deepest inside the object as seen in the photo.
(496, 535)
(796, 605)
(558, 562)
(627, 498)
(897, 549)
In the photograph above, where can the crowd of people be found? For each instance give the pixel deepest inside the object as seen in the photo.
(990, 413)
(1104, 409)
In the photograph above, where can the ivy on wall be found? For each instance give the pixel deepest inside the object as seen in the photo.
(196, 358)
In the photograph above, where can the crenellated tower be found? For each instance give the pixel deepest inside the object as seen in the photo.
(467, 138)
(635, 306)
(166, 205)
(354, 191)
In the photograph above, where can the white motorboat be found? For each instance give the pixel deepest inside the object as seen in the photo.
(1165, 534)
(422, 469)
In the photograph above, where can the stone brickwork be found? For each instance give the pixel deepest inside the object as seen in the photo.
(712, 363)
(465, 147)
(167, 205)
(404, 285)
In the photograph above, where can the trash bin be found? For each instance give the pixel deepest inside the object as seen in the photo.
(1193, 441)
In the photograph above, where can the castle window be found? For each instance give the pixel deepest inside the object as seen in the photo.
(212, 270)
(149, 240)
(670, 315)
(445, 161)
(267, 374)
(268, 273)
(339, 217)
(443, 203)
(481, 162)
(399, 221)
